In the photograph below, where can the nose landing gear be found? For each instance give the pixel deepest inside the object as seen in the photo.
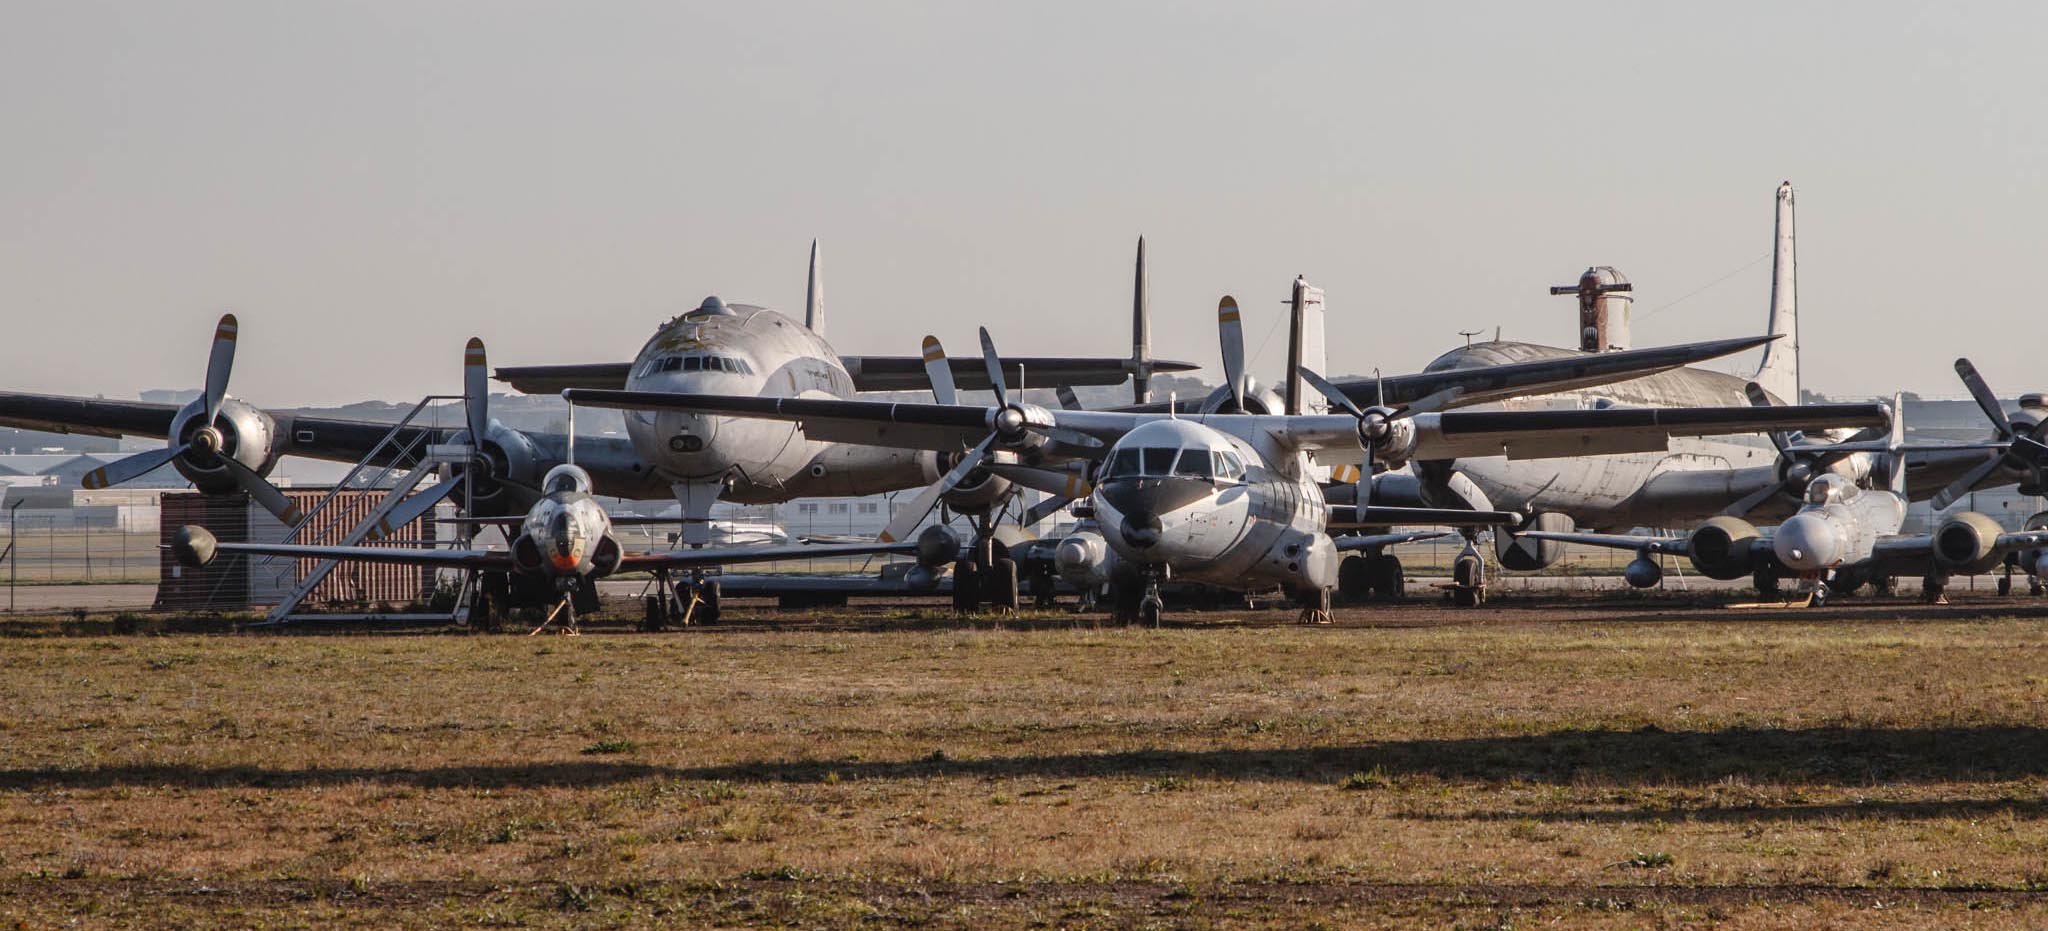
(1134, 595)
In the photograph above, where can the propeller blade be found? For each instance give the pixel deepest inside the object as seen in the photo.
(1230, 330)
(1758, 397)
(412, 508)
(1968, 482)
(1044, 509)
(122, 470)
(907, 519)
(1750, 501)
(994, 363)
(1323, 387)
(1985, 399)
(262, 492)
(476, 391)
(1068, 399)
(1061, 482)
(1432, 402)
(939, 371)
(219, 363)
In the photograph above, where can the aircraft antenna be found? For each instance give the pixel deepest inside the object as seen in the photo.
(572, 433)
(1468, 334)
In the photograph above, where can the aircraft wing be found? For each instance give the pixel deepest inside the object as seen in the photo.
(1345, 516)
(1921, 546)
(870, 373)
(1362, 541)
(942, 427)
(411, 556)
(735, 555)
(92, 416)
(906, 373)
(1676, 546)
(554, 379)
(1601, 431)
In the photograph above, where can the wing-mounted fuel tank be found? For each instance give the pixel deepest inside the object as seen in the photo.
(1724, 547)
(1967, 543)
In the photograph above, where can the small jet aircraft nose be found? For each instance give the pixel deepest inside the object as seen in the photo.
(1807, 542)
(1141, 529)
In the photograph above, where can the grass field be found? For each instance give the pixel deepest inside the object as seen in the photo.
(1637, 767)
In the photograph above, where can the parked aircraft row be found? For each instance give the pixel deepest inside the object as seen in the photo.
(1248, 489)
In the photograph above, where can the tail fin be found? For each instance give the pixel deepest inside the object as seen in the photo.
(1779, 372)
(1141, 331)
(814, 296)
(1305, 348)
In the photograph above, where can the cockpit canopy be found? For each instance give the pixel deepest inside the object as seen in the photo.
(1166, 461)
(565, 478)
(696, 362)
(1829, 489)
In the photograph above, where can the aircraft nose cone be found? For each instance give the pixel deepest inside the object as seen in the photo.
(1805, 543)
(1141, 529)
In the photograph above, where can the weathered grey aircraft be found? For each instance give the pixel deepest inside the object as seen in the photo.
(1696, 478)
(1224, 498)
(1842, 537)
(564, 544)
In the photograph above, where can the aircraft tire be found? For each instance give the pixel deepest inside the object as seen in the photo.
(483, 615)
(999, 585)
(656, 616)
(1150, 609)
(1044, 588)
(1125, 591)
(1354, 580)
(1766, 582)
(709, 609)
(2004, 586)
(1389, 582)
(966, 586)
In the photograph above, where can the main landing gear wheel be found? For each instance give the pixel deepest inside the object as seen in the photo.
(1389, 581)
(1934, 589)
(1766, 582)
(708, 607)
(999, 585)
(1354, 582)
(966, 587)
(1468, 580)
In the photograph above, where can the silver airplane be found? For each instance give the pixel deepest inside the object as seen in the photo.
(562, 546)
(1841, 537)
(1741, 477)
(1228, 498)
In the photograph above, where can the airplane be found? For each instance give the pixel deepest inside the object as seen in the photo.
(1695, 479)
(1841, 537)
(563, 545)
(1230, 498)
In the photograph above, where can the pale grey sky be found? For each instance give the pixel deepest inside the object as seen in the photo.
(368, 184)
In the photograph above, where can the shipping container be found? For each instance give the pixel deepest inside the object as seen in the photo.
(235, 582)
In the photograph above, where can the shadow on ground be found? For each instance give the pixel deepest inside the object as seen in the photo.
(1838, 756)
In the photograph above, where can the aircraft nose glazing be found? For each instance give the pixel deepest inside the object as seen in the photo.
(1806, 542)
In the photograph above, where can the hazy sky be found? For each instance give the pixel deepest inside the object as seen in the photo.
(368, 184)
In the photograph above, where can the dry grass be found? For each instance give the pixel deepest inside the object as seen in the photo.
(1714, 772)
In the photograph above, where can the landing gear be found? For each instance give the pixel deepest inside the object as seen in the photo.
(1135, 594)
(1316, 605)
(999, 585)
(1934, 589)
(1883, 585)
(1468, 578)
(1766, 581)
(988, 576)
(1372, 576)
(1819, 596)
(966, 586)
(2005, 581)
(1044, 587)
(1150, 608)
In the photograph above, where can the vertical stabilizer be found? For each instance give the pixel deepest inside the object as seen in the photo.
(814, 296)
(1305, 348)
(1779, 373)
(1141, 331)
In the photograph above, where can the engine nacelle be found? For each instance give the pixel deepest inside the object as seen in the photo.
(506, 454)
(604, 559)
(1722, 547)
(978, 493)
(1084, 559)
(1258, 399)
(2036, 560)
(1525, 554)
(1967, 543)
(247, 435)
(937, 547)
(1642, 572)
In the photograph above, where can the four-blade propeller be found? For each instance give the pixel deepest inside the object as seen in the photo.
(2024, 450)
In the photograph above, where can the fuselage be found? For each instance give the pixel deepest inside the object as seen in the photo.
(1203, 504)
(1693, 479)
(1839, 525)
(567, 533)
(744, 350)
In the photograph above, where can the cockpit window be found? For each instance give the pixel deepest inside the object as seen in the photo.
(1124, 463)
(1159, 460)
(1194, 464)
(1826, 489)
(697, 363)
(1227, 465)
(563, 478)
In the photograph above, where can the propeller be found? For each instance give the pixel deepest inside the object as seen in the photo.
(1374, 423)
(1800, 461)
(476, 373)
(2023, 451)
(1230, 330)
(208, 439)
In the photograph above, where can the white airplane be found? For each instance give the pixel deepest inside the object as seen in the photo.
(1696, 478)
(1841, 537)
(1229, 499)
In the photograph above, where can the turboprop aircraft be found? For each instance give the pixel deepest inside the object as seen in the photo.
(564, 544)
(1227, 498)
(1842, 537)
(1695, 479)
